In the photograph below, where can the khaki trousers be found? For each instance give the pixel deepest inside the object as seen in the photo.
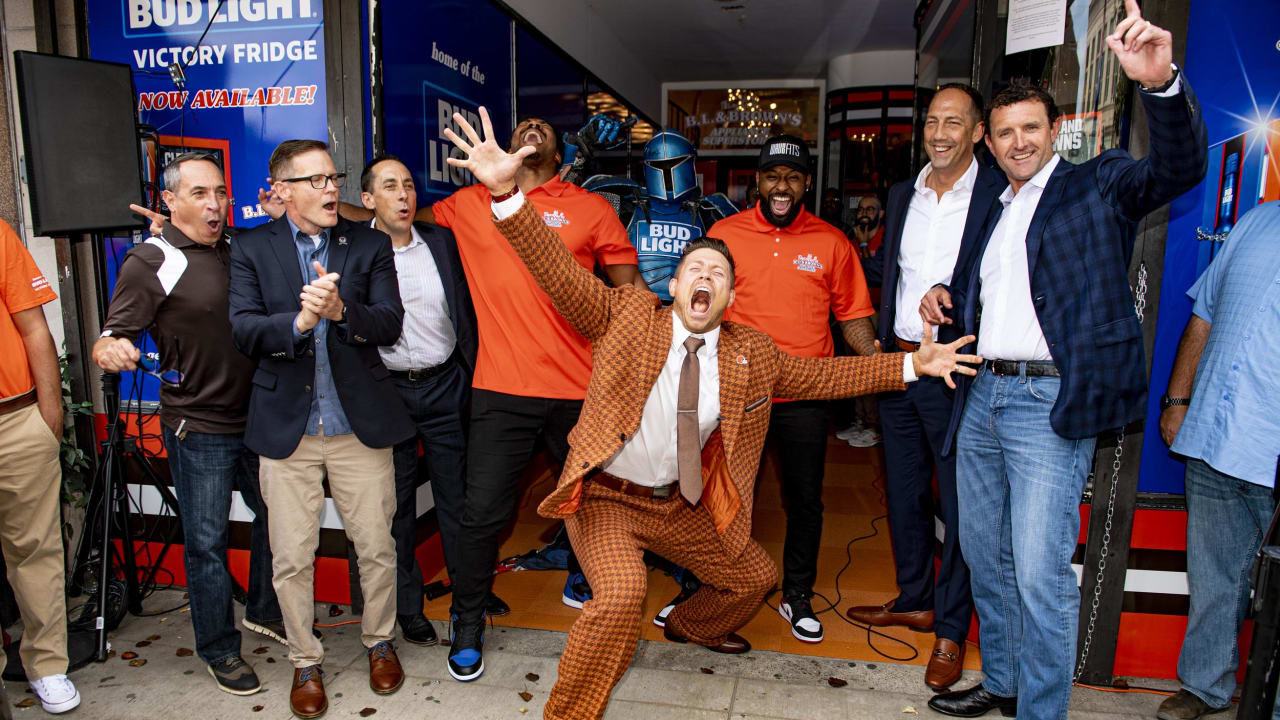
(362, 484)
(31, 538)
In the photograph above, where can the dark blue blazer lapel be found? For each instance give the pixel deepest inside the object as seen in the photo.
(444, 267)
(286, 251)
(339, 248)
(1049, 201)
(895, 223)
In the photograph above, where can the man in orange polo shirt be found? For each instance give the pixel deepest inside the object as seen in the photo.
(31, 475)
(792, 270)
(532, 367)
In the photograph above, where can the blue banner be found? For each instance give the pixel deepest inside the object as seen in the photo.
(1233, 62)
(441, 57)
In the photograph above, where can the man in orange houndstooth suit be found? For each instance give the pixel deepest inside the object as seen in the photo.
(664, 454)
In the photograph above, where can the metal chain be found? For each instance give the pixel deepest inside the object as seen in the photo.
(1139, 308)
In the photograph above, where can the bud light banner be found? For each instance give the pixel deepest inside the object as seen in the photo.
(255, 79)
(442, 57)
(1233, 53)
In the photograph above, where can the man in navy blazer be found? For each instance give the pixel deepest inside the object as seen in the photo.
(431, 367)
(312, 298)
(932, 224)
(1064, 361)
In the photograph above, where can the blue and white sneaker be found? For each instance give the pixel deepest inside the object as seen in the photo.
(576, 590)
(466, 650)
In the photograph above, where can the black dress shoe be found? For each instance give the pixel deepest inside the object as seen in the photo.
(417, 629)
(495, 607)
(974, 702)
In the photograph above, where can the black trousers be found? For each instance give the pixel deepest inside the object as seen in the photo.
(505, 430)
(915, 424)
(799, 433)
(437, 406)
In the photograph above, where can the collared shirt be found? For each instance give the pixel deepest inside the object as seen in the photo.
(930, 243)
(787, 280)
(427, 338)
(649, 456)
(1232, 424)
(326, 408)
(1012, 327)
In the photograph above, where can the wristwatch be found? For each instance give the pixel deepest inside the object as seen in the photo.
(1167, 402)
(343, 319)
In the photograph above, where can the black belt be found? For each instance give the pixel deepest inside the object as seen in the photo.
(1034, 368)
(423, 374)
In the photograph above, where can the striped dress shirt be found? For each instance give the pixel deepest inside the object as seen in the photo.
(428, 338)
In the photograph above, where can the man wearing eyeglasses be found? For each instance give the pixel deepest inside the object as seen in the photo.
(312, 298)
(175, 285)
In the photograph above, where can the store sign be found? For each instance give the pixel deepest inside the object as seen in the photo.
(743, 118)
(1079, 137)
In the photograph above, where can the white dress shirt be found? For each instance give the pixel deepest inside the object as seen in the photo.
(930, 243)
(1010, 328)
(649, 456)
(427, 338)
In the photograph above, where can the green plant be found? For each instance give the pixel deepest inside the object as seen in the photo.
(77, 465)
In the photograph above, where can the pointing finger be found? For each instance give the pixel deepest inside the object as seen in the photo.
(1131, 8)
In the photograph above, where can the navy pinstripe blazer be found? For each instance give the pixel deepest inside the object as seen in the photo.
(1078, 250)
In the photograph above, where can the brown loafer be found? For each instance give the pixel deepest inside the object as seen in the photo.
(945, 665)
(307, 698)
(385, 674)
(734, 644)
(881, 616)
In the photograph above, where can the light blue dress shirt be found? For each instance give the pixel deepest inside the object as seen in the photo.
(325, 405)
(1233, 423)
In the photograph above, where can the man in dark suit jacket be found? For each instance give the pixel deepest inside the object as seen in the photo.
(431, 366)
(1064, 362)
(934, 223)
(322, 402)
(665, 452)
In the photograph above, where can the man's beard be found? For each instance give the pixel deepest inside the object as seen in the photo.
(867, 223)
(780, 220)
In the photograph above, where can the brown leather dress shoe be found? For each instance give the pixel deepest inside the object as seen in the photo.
(945, 665)
(385, 673)
(734, 644)
(307, 699)
(881, 616)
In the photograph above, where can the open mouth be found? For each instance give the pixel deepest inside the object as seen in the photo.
(941, 149)
(403, 213)
(780, 204)
(330, 207)
(1019, 157)
(700, 301)
(532, 137)
(215, 226)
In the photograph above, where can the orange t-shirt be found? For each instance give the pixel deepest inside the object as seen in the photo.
(22, 287)
(526, 347)
(786, 280)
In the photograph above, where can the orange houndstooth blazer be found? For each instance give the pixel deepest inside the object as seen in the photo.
(630, 335)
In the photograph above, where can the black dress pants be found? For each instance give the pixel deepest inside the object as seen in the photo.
(915, 424)
(799, 433)
(505, 430)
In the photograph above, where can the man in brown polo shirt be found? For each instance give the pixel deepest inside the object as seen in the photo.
(175, 286)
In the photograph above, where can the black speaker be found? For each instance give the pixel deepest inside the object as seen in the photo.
(79, 126)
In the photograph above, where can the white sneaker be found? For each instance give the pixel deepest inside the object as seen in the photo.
(866, 437)
(57, 694)
(853, 429)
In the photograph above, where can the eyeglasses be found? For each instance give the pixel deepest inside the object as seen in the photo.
(169, 378)
(319, 181)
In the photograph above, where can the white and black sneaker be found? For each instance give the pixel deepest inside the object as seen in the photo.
(804, 624)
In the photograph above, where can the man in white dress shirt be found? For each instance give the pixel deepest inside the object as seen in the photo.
(431, 366)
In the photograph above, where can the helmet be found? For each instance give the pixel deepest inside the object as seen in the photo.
(668, 167)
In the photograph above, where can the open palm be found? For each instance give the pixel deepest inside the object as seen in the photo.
(488, 162)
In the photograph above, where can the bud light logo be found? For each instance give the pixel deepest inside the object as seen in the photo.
(170, 17)
(663, 237)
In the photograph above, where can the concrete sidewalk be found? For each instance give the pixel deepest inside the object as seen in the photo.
(665, 681)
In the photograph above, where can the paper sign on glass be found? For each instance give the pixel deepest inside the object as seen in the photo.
(1035, 24)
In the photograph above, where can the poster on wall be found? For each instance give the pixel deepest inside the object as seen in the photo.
(1232, 62)
(442, 57)
(254, 76)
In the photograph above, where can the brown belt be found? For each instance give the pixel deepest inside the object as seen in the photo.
(17, 402)
(906, 345)
(626, 487)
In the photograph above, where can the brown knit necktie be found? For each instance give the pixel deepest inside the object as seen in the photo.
(688, 448)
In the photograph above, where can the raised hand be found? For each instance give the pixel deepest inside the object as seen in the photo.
(488, 162)
(157, 223)
(1145, 51)
(942, 360)
(270, 202)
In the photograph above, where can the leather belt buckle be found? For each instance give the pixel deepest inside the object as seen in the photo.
(664, 492)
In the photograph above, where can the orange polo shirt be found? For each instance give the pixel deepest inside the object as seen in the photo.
(526, 347)
(22, 287)
(786, 280)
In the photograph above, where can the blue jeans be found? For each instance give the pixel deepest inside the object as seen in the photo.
(205, 469)
(1226, 519)
(1019, 486)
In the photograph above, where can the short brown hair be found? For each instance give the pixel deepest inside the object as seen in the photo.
(708, 243)
(1018, 91)
(286, 151)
